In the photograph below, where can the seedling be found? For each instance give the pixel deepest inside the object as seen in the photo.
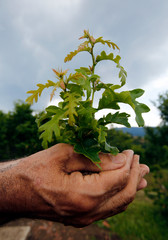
(73, 120)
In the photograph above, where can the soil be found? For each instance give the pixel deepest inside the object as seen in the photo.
(47, 230)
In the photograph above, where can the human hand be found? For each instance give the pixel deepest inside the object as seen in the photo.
(53, 185)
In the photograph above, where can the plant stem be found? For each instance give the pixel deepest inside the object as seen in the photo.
(93, 60)
(92, 70)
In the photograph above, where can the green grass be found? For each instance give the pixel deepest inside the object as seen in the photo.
(141, 221)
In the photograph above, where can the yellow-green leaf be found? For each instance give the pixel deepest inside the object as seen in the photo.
(37, 93)
(71, 102)
(82, 47)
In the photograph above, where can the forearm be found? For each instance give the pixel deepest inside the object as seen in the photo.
(19, 195)
(5, 182)
(14, 190)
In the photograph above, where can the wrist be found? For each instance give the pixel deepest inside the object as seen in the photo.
(20, 190)
(15, 189)
(10, 186)
(7, 189)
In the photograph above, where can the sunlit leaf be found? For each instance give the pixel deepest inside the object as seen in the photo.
(51, 127)
(104, 56)
(102, 134)
(71, 102)
(37, 93)
(108, 42)
(82, 47)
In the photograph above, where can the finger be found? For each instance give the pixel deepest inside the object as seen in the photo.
(144, 170)
(135, 177)
(145, 167)
(78, 162)
(107, 180)
(118, 202)
(129, 156)
(142, 184)
(111, 162)
(100, 184)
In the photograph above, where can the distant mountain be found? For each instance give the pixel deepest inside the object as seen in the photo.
(134, 131)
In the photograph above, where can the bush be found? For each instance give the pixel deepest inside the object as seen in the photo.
(158, 191)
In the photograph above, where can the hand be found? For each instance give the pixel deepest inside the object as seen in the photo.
(52, 184)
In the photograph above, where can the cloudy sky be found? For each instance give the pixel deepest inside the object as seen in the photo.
(36, 35)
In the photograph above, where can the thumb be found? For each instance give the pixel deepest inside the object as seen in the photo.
(111, 162)
(78, 162)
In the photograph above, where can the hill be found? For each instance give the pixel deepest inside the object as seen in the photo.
(134, 131)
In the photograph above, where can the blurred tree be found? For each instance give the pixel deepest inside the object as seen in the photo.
(163, 107)
(156, 156)
(125, 141)
(156, 146)
(157, 138)
(20, 133)
(3, 139)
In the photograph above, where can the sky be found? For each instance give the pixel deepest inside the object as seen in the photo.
(36, 35)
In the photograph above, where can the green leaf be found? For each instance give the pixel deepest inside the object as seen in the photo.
(114, 87)
(108, 100)
(89, 148)
(76, 76)
(85, 109)
(136, 93)
(71, 102)
(104, 86)
(122, 74)
(85, 71)
(111, 149)
(46, 116)
(75, 88)
(104, 56)
(43, 118)
(108, 42)
(52, 109)
(82, 47)
(139, 108)
(84, 83)
(102, 134)
(119, 118)
(37, 93)
(117, 59)
(93, 78)
(51, 127)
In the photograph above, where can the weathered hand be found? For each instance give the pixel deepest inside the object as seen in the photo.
(60, 185)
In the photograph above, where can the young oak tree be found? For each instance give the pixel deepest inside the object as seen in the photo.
(73, 120)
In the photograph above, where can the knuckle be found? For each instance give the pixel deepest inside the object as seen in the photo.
(86, 204)
(125, 176)
(130, 196)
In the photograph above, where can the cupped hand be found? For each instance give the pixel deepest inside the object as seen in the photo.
(61, 185)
